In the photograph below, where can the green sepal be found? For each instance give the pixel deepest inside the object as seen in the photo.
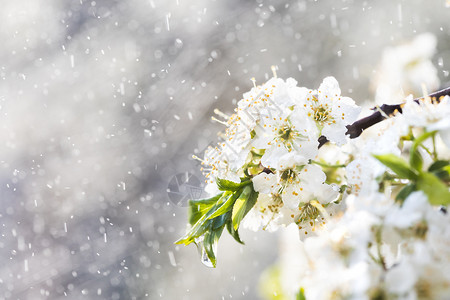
(398, 165)
(405, 192)
(343, 188)
(438, 165)
(243, 204)
(418, 141)
(436, 190)
(415, 158)
(227, 185)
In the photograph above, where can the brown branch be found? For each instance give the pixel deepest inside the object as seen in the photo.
(354, 130)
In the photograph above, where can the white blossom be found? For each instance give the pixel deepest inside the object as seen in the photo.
(283, 132)
(265, 214)
(331, 111)
(430, 114)
(405, 69)
(413, 210)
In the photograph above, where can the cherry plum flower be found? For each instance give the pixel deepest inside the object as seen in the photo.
(301, 194)
(430, 114)
(283, 134)
(406, 69)
(331, 111)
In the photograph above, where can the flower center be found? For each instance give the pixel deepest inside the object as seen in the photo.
(423, 289)
(288, 176)
(322, 113)
(420, 230)
(307, 212)
(286, 133)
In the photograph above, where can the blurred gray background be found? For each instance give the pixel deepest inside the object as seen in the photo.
(103, 102)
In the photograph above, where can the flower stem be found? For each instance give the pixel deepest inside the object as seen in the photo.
(434, 147)
(380, 255)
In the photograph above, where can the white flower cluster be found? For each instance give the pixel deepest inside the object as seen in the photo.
(372, 212)
(273, 138)
(403, 254)
(384, 246)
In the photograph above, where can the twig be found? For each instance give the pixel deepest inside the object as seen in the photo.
(354, 130)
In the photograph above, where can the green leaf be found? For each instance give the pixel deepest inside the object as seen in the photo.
(443, 174)
(196, 231)
(197, 208)
(436, 190)
(234, 233)
(405, 192)
(239, 207)
(301, 294)
(220, 221)
(208, 217)
(200, 227)
(210, 241)
(437, 165)
(227, 185)
(398, 165)
(243, 204)
(416, 160)
(227, 205)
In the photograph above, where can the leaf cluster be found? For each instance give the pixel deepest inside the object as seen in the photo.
(433, 181)
(208, 217)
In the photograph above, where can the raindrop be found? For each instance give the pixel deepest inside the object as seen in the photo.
(205, 260)
(172, 259)
(204, 256)
(178, 43)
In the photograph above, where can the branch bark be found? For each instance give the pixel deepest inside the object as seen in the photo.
(354, 130)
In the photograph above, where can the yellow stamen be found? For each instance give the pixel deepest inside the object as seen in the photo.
(197, 158)
(219, 121)
(221, 114)
(319, 206)
(274, 71)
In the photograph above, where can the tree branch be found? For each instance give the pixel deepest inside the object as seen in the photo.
(354, 130)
